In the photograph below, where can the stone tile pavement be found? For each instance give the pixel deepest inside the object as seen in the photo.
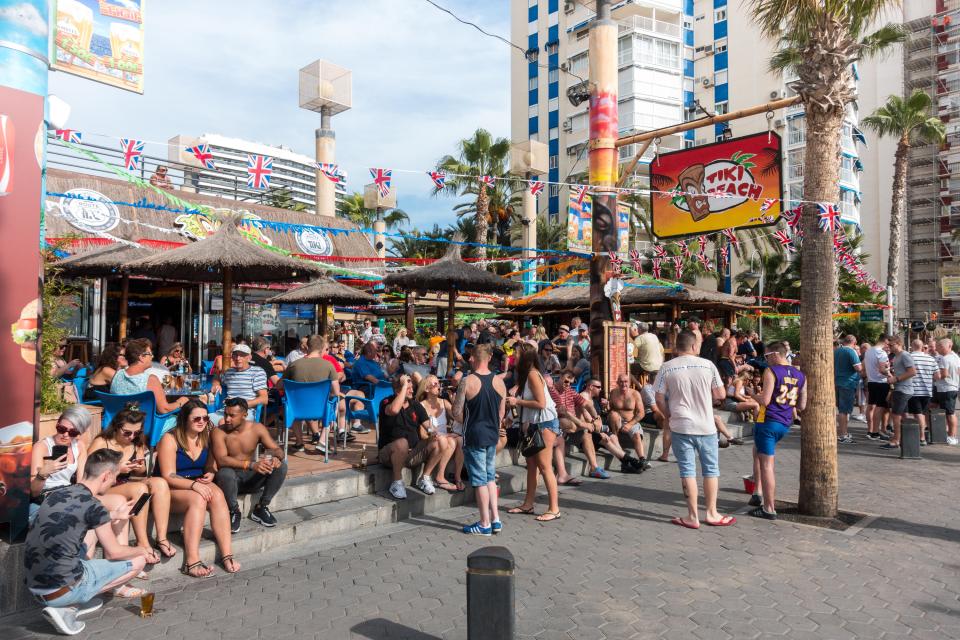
(612, 567)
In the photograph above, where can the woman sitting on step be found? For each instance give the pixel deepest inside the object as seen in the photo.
(184, 461)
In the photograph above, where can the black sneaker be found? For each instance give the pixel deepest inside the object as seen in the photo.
(641, 465)
(883, 436)
(873, 436)
(760, 512)
(295, 447)
(235, 519)
(627, 466)
(262, 515)
(315, 438)
(755, 501)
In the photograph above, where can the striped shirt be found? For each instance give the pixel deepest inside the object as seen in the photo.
(926, 366)
(243, 384)
(570, 401)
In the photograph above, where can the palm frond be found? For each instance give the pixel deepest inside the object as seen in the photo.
(881, 40)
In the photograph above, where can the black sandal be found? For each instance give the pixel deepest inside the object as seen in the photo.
(164, 545)
(225, 559)
(188, 570)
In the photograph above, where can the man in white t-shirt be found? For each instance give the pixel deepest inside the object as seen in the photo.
(687, 387)
(876, 366)
(946, 385)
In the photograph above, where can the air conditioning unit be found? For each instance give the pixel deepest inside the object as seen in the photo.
(779, 94)
(567, 125)
(707, 81)
(564, 66)
(569, 6)
(778, 123)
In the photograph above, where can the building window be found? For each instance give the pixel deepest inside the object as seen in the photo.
(532, 111)
(689, 144)
(553, 104)
(554, 190)
(720, 77)
(552, 48)
(532, 84)
(722, 108)
(535, 137)
(583, 33)
(720, 45)
(532, 3)
(700, 17)
(553, 75)
(580, 64)
(688, 53)
(687, 23)
(554, 161)
(797, 131)
(795, 164)
(688, 84)
(554, 133)
(579, 122)
(720, 15)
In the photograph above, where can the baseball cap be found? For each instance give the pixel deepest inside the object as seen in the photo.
(242, 348)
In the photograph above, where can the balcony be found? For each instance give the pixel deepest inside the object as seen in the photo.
(649, 25)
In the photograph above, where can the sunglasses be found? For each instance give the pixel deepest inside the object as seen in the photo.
(200, 419)
(130, 434)
(148, 354)
(73, 433)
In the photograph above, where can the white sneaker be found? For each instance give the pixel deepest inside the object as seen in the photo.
(953, 441)
(425, 484)
(858, 417)
(92, 605)
(397, 490)
(64, 619)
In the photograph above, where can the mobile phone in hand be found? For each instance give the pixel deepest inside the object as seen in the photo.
(57, 452)
(140, 504)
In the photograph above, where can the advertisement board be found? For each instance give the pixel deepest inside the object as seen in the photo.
(21, 156)
(731, 184)
(950, 286)
(580, 229)
(615, 337)
(101, 40)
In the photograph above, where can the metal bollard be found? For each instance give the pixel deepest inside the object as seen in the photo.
(938, 427)
(909, 439)
(491, 599)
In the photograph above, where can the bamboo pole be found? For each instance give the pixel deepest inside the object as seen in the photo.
(323, 319)
(409, 311)
(451, 328)
(227, 314)
(633, 163)
(124, 301)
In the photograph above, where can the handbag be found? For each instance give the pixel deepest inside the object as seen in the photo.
(531, 441)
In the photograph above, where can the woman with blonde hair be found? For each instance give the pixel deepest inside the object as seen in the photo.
(401, 340)
(540, 333)
(175, 360)
(185, 462)
(441, 426)
(125, 435)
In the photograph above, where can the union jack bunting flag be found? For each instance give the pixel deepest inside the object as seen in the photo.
(536, 187)
(636, 261)
(581, 190)
(332, 172)
(259, 170)
(796, 215)
(705, 261)
(769, 202)
(678, 266)
(439, 179)
(685, 250)
(202, 153)
(132, 153)
(785, 240)
(702, 241)
(68, 135)
(487, 180)
(659, 250)
(382, 178)
(616, 264)
(731, 235)
(829, 217)
(724, 257)
(656, 267)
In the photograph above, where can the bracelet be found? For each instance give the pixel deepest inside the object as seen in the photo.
(191, 484)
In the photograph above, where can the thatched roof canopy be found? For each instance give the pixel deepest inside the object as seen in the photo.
(207, 259)
(572, 297)
(449, 273)
(323, 291)
(102, 262)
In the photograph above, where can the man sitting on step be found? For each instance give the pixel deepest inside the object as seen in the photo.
(626, 411)
(578, 421)
(404, 438)
(234, 446)
(603, 438)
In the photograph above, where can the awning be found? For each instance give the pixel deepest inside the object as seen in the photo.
(859, 136)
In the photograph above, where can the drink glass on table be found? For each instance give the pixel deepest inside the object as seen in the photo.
(194, 383)
(146, 605)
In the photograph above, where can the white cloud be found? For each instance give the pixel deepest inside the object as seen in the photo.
(26, 16)
(421, 82)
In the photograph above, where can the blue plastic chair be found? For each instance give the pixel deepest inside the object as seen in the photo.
(206, 366)
(113, 404)
(582, 380)
(308, 401)
(80, 385)
(371, 406)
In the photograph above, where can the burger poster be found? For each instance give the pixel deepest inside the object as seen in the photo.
(21, 115)
(731, 184)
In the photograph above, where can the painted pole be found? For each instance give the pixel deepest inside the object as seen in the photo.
(603, 170)
(529, 237)
(326, 141)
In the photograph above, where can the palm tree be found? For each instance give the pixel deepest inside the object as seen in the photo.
(282, 198)
(820, 40)
(481, 155)
(353, 209)
(421, 245)
(909, 121)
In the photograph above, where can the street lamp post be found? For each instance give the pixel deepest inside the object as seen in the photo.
(325, 88)
(528, 159)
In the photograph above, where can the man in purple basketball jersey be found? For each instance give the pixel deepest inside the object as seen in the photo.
(784, 393)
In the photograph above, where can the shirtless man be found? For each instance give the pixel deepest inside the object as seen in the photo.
(693, 326)
(626, 412)
(234, 446)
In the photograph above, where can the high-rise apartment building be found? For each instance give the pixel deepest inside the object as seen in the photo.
(932, 63)
(292, 172)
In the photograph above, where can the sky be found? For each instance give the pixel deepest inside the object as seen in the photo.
(421, 83)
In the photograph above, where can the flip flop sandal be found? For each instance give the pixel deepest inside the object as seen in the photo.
(572, 482)
(447, 486)
(143, 575)
(725, 521)
(126, 591)
(225, 559)
(520, 510)
(680, 522)
(191, 570)
(167, 549)
(548, 516)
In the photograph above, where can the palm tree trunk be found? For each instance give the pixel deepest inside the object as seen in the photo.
(483, 209)
(819, 483)
(896, 214)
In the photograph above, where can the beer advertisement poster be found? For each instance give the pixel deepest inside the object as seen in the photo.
(731, 184)
(101, 40)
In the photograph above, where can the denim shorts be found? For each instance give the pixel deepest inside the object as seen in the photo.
(846, 398)
(97, 574)
(687, 448)
(549, 425)
(767, 434)
(480, 464)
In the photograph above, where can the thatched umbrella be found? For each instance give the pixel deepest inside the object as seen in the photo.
(324, 292)
(225, 257)
(450, 274)
(107, 262)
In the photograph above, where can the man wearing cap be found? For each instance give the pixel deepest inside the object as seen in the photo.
(648, 352)
(241, 381)
(560, 344)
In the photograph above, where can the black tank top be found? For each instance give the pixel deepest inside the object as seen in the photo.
(482, 425)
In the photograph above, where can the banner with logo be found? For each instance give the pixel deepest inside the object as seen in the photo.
(726, 185)
(21, 156)
(580, 224)
(101, 40)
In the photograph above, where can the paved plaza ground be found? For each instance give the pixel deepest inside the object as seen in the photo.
(611, 567)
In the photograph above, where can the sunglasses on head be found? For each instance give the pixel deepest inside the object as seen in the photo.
(127, 433)
(70, 431)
